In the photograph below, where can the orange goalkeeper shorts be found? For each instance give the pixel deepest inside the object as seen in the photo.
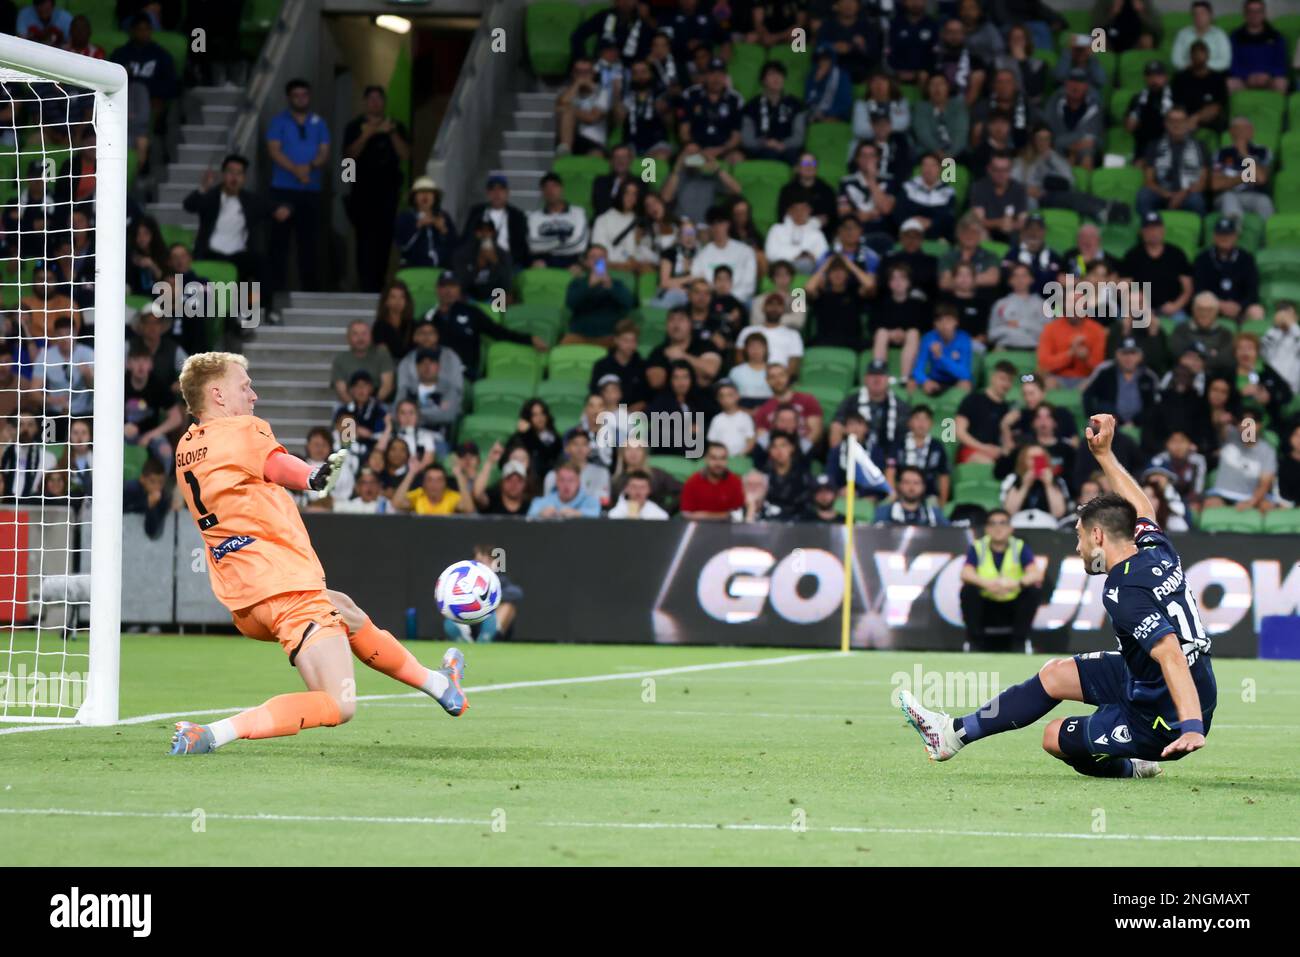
(288, 618)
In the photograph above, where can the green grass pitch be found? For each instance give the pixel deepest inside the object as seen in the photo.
(720, 768)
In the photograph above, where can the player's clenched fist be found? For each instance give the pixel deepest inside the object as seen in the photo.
(1100, 433)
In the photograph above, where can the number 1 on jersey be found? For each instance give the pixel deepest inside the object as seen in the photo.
(206, 519)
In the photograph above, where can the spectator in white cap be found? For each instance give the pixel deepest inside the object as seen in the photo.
(424, 234)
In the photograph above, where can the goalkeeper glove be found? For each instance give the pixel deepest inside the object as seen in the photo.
(324, 476)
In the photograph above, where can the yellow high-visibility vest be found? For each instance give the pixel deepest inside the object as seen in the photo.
(1011, 566)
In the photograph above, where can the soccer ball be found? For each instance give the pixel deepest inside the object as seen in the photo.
(467, 592)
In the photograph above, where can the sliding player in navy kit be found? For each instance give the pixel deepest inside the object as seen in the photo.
(1154, 696)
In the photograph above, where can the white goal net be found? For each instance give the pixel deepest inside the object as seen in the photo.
(62, 302)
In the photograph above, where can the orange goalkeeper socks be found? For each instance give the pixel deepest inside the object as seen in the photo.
(286, 714)
(378, 649)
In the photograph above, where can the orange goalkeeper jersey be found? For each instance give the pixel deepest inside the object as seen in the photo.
(257, 545)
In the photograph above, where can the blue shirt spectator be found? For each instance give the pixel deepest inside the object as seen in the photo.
(567, 500)
(1257, 47)
(944, 356)
(299, 135)
(829, 91)
(52, 31)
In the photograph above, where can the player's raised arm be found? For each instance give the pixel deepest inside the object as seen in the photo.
(1100, 433)
(293, 473)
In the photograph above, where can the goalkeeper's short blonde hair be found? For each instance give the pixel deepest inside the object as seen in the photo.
(200, 371)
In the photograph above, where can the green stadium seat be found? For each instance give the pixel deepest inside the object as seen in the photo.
(769, 172)
(1286, 192)
(1062, 228)
(831, 365)
(764, 199)
(133, 459)
(740, 464)
(1118, 238)
(679, 467)
(260, 15)
(1121, 183)
(172, 234)
(1025, 361)
(1293, 111)
(573, 361)
(544, 286)
(486, 430)
(1120, 141)
(1257, 104)
(1069, 399)
(216, 270)
(1120, 98)
(1000, 249)
(1226, 518)
(747, 61)
(566, 410)
(1273, 290)
(1283, 229)
(1082, 179)
(514, 360)
(550, 390)
(1282, 521)
(864, 512)
(500, 396)
(547, 26)
(1131, 65)
(422, 281)
(1257, 327)
(177, 44)
(1183, 229)
(973, 473)
(987, 495)
(1077, 21)
(828, 398)
(1278, 262)
(830, 143)
(536, 319)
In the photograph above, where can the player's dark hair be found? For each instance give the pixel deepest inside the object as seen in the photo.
(911, 468)
(1114, 513)
(997, 511)
(235, 158)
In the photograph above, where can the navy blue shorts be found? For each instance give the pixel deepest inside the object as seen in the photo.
(1117, 729)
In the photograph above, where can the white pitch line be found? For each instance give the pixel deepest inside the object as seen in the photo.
(658, 826)
(503, 686)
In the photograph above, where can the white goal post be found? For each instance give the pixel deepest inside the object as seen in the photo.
(59, 76)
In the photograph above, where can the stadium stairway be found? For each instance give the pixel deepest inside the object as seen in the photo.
(524, 148)
(202, 145)
(290, 362)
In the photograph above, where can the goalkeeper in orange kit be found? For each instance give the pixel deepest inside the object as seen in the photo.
(234, 475)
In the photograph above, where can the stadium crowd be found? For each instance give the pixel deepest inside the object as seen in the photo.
(952, 231)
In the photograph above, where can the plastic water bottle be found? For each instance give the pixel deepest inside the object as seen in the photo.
(412, 625)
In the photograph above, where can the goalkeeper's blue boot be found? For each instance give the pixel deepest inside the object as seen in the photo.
(191, 738)
(453, 700)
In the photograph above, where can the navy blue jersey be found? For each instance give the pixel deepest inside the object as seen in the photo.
(1147, 598)
(711, 121)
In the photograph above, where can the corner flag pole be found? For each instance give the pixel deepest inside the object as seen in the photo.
(851, 495)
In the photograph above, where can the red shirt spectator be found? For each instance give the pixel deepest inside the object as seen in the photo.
(715, 491)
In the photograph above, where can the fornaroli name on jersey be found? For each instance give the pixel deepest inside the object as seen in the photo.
(1170, 584)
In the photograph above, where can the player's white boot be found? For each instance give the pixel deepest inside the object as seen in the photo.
(934, 727)
(1146, 769)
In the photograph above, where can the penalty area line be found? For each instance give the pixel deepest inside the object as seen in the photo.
(658, 826)
(502, 686)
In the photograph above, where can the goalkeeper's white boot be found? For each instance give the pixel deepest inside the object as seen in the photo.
(934, 727)
(1146, 769)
